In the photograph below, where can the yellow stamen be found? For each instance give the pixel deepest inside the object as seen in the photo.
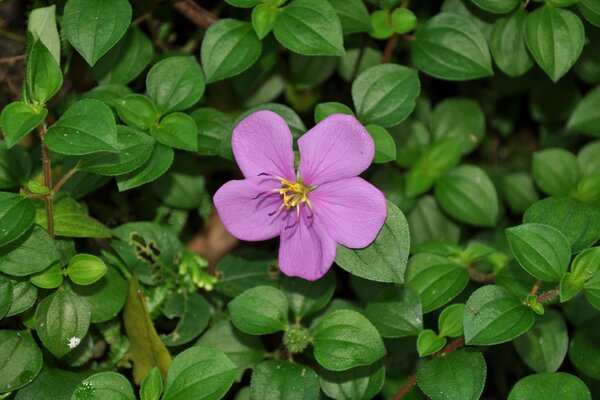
(294, 194)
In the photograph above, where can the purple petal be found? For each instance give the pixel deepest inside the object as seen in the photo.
(244, 207)
(352, 209)
(262, 143)
(306, 250)
(336, 148)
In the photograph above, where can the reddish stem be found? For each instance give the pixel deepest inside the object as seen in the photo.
(47, 168)
(192, 11)
(389, 49)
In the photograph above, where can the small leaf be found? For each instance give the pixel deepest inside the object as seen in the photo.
(590, 11)
(88, 126)
(284, 380)
(556, 171)
(438, 377)
(6, 295)
(384, 260)
(450, 46)
(497, 6)
(15, 166)
(385, 147)
(396, 312)
(428, 343)
(427, 222)
(353, 15)
(177, 130)
(152, 385)
(519, 191)
(157, 164)
(93, 27)
(229, 48)
(459, 118)
(104, 386)
(42, 26)
(24, 296)
(260, 310)
(385, 94)
(360, 383)
(542, 250)
(243, 270)
(493, 315)
(555, 39)
(18, 119)
(324, 110)
(345, 339)
(586, 116)
(547, 385)
(194, 313)
(138, 111)
(468, 194)
(508, 46)
(62, 321)
(71, 219)
(43, 76)
(307, 297)
(51, 278)
(31, 253)
(214, 132)
(544, 347)
(86, 269)
(310, 27)
(147, 350)
(450, 320)
(175, 83)
(20, 357)
(200, 373)
(436, 279)
(17, 214)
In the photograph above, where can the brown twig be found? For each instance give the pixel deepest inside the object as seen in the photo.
(535, 288)
(192, 11)
(480, 277)
(64, 179)
(389, 49)
(412, 379)
(550, 295)
(12, 59)
(47, 168)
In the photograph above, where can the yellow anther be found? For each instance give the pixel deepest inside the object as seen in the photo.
(294, 193)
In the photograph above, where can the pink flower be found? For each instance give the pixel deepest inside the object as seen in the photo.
(324, 204)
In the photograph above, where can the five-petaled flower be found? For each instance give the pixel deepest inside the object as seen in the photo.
(325, 203)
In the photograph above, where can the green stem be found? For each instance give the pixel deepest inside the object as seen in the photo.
(47, 168)
(13, 36)
(64, 179)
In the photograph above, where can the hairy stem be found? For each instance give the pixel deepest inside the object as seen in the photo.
(550, 295)
(64, 179)
(412, 380)
(47, 168)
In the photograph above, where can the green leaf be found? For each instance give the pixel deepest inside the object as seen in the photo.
(291, 118)
(45, 384)
(579, 222)
(592, 291)
(542, 250)
(305, 297)
(18, 119)
(385, 147)
(126, 60)
(586, 116)
(156, 165)
(280, 380)
(244, 3)
(497, 6)
(6, 295)
(403, 20)
(104, 386)
(586, 264)
(244, 350)
(229, 48)
(385, 259)
(451, 46)
(310, 27)
(183, 185)
(308, 72)
(43, 76)
(110, 93)
(544, 347)
(20, 357)
(214, 132)
(428, 342)
(88, 126)
(152, 385)
(450, 320)
(133, 149)
(24, 296)
(555, 39)
(438, 378)
(15, 166)
(381, 24)
(263, 19)
(200, 373)
(62, 321)
(493, 315)
(17, 214)
(93, 27)
(242, 270)
(175, 83)
(71, 219)
(468, 194)
(439, 158)
(385, 94)
(194, 314)
(42, 26)
(106, 297)
(436, 279)
(427, 223)
(590, 11)
(396, 312)
(361, 383)
(556, 171)
(519, 191)
(260, 310)
(345, 339)
(353, 15)
(324, 110)
(459, 118)
(547, 385)
(508, 46)
(138, 111)
(86, 269)
(177, 130)
(31, 253)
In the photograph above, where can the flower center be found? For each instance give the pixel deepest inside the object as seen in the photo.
(294, 193)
